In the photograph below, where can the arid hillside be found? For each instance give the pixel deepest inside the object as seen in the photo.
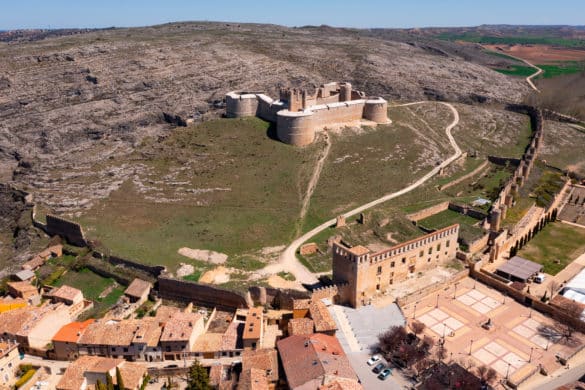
(70, 103)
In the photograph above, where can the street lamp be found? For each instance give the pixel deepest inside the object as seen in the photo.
(437, 304)
(444, 327)
(455, 290)
(507, 371)
(470, 345)
(530, 358)
(414, 311)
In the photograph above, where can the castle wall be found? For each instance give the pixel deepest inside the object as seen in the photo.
(71, 231)
(371, 274)
(199, 294)
(267, 108)
(338, 113)
(295, 128)
(240, 105)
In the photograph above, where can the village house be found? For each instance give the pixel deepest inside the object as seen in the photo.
(71, 297)
(179, 334)
(300, 326)
(263, 360)
(310, 361)
(253, 379)
(40, 258)
(128, 339)
(253, 328)
(26, 291)
(33, 328)
(65, 341)
(9, 360)
(137, 292)
(8, 303)
(87, 370)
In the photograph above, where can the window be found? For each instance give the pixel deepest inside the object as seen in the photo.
(430, 250)
(379, 269)
(392, 264)
(421, 254)
(447, 243)
(438, 247)
(404, 260)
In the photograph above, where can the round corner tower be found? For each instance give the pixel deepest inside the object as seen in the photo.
(240, 104)
(376, 110)
(295, 128)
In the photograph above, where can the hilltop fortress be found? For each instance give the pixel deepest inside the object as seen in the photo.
(298, 114)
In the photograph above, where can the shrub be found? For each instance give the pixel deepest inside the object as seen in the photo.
(25, 378)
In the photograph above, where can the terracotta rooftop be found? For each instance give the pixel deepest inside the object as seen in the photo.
(73, 377)
(164, 313)
(125, 332)
(300, 326)
(232, 337)
(253, 327)
(132, 374)
(180, 326)
(33, 263)
(21, 321)
(22, 287)
(66, 292)
(71, 333)
(307, 360)
(321, 317)
(262, 359)
(137, 288)
(301, 304)
(253, 379)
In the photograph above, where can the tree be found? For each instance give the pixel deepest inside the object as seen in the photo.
(391, 340)
(198, 378)
(417, 327)
(100, 386)
(574, 310)
(119, 380)
(109, 382)
(553, 287)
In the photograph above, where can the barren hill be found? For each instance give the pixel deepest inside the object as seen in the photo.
(70, 102)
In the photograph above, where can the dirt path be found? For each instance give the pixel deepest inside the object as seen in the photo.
(313, 182)
(529, 78)
(288, 260)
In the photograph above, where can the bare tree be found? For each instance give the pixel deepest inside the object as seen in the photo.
(574, 310)
(553, 287)
(417, 327)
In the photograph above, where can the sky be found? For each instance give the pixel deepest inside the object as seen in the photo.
(357, 13)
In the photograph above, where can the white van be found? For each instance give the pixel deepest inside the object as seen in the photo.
(539, 278)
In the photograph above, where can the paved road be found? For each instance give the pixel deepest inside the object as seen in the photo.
(288, 260)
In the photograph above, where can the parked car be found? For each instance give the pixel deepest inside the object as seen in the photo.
(379, 367)
(539, 278)
(385, 374)
(374, 359)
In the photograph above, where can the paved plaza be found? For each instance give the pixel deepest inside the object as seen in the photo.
(517, 340)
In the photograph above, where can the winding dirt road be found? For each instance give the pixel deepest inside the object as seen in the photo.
(288, 260)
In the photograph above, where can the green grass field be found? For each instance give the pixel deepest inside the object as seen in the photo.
(92, 285)
(511, 40)
(554, 247)
(261, 182)
(446, 218)
(517, 70)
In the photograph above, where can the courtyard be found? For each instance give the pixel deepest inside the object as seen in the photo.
(482, 327)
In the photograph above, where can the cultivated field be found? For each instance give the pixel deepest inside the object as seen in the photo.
(540, 54)
(555, 246)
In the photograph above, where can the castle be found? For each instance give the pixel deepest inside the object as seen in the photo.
(365, 274)
(299, 114)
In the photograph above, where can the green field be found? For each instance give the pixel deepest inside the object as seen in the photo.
(555, 246)
(549, 71)
(92, 285)
(260, 184)
(511, 40)
(517, 70)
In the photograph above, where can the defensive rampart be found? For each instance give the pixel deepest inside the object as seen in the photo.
(71, 231)
(199, 294)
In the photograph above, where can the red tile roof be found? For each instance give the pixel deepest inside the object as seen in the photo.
(72, 332)
(308, 359)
